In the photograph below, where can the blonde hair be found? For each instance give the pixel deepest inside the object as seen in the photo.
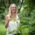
(10, 9)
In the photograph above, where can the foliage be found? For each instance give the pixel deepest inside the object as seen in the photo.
(2, 29)
(27, 15)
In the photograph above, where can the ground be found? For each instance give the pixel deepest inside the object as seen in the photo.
(2, 29)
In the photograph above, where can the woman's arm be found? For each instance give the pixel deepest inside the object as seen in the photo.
(6, 22)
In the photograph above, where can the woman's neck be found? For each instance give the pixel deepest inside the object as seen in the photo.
(13, 14)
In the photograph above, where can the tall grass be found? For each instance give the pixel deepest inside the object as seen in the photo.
(2, 29)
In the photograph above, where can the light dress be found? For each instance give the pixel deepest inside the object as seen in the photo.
(13, 25)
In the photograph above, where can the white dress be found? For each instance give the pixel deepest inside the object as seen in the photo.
(13, 25)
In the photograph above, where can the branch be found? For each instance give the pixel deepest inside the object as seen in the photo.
(9, 2)
(20, 5)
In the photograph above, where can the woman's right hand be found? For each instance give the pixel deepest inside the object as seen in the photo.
(6, 21)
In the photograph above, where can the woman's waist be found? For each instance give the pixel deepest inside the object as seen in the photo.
(12, 27)
(12, 30)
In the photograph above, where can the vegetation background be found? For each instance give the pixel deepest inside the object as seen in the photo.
(26, 10)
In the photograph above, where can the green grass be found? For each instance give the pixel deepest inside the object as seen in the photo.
(2, 29)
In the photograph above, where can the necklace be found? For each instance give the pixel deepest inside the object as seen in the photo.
(10, 16)
(13, 18)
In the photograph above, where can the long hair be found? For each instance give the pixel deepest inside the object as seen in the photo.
(10, 10)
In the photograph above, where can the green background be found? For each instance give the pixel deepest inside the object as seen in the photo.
(26, 10)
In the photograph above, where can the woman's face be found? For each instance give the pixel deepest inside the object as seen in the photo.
(13, 8)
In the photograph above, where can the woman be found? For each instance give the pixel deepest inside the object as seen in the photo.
(12, 21)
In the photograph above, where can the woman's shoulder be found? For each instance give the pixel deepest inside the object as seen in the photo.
(7, 16)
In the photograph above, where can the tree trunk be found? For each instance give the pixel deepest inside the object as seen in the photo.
(8, 1)
(4, 3)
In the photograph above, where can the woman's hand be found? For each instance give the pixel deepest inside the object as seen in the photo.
(6, 21)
